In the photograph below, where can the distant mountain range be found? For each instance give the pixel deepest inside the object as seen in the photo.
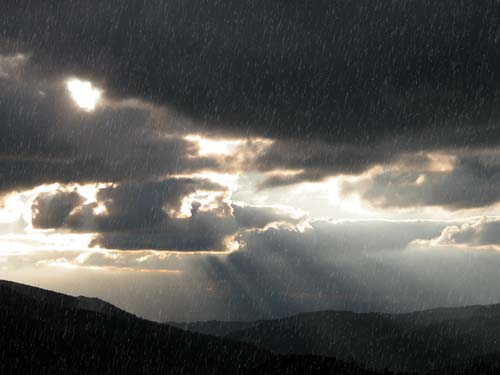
(43, 332)
(451, 339)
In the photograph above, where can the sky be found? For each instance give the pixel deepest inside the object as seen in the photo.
(239, 160)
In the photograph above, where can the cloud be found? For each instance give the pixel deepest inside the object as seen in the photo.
(472, 181)
(148, 215)
(44, 139)
(51, 209)
(363, 266)
(352, 265)
(482, 232)
(351, 75)
(258, 217)
(202, 231)
(10, 65)
(315, 160)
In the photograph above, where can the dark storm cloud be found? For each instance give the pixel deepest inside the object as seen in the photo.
(144, 215)
(338, 86)
(259, 217)
(51, 209)
(473, 182)
(316, 160)
(44, 138)
(202, 231)
(132, 205)
(409, 75)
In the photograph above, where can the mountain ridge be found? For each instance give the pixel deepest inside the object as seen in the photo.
(45, 332)
(424, 340)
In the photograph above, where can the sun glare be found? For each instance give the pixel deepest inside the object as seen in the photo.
(84, 94)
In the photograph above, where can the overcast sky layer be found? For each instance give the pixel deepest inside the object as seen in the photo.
(243, 160)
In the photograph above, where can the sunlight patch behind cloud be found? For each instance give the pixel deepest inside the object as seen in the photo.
(84, 94)
(208, 146)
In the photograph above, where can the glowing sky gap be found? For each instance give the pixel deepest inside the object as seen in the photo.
(84, 94)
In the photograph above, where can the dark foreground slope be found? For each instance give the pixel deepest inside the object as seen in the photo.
(64, 301)
(304, 365)
(214, 327)
(457, 338)
(43, 332)
(483, 365)
(48, 333)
